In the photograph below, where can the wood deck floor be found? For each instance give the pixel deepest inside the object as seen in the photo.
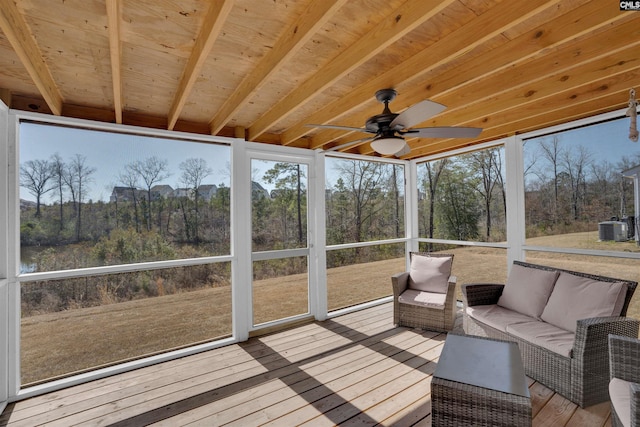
(352, 370)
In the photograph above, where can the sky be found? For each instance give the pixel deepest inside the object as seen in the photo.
(109, 152)
(606, 141)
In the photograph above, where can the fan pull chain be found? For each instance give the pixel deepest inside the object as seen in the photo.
(633, 115)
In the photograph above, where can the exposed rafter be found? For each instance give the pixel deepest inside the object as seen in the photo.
(17, 32)
(453, 45)
(536, 82)
(5, 96)
(298, 33)
(113, 20)
(211, 28)
(264, 70)
(475, 83)
(397, 24)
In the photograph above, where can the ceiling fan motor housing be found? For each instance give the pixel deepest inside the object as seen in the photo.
(380, 122)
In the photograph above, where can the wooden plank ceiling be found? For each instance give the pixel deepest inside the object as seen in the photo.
(262, 69)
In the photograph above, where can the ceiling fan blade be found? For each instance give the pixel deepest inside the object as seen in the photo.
(340, 128)
(346, 145)
(405, 150)
(443, 132)
(415, 114)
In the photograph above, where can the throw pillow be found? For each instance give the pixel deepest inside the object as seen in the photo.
(430, 274)
(527, 290)
(576, 297)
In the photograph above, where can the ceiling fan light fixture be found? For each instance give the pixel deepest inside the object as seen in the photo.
(388, 145)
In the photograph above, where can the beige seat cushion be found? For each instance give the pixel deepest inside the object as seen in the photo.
(527, 290)
(430, 274)
(544, 335)
(425, 299)
(576, 297)
(497, 317)
(620, 394)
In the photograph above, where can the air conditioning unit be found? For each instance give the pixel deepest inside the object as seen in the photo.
(613, 230)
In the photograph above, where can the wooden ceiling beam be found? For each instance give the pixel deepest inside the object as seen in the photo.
(211, 29)
(525, 97)
(464, 39)
(474, 80)
(569, 113)
(565, 35)
(297, 34)
(528, 80)
(603, 56)
(5, 96)
(17, 32)
(593, 80)
(115, 53)
(396, 25)
(574, 103)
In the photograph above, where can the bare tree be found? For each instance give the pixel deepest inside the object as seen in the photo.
(363, 180)
(575, 165)
(485, 163)
(395, 185)
(194, 171)
(78, 177)
(552, 151)
(35, 176)
(288, 176)
(58, 168)
(152, 170)
(129, 178)
(433, 173)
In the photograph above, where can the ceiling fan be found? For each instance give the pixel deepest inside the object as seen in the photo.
(389, 128)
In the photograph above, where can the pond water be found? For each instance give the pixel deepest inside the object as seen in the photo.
(28, 256)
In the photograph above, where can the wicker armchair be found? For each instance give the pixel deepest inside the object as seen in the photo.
(624, 388)
(437, 310)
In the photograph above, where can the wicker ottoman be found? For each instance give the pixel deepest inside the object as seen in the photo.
(479, 382)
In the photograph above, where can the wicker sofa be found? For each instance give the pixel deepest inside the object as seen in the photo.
(561, 321)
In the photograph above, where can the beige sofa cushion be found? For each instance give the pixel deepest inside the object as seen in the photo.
(527, 290)
(620, 394)
(430, 274)
(544, 335)
(424, 299)
(497, 317)
(576, 297)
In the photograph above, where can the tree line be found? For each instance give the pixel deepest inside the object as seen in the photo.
(463, 197)
(567, 189)
(570, 189)
(459, 198)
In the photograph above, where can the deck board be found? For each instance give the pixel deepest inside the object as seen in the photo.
(351, 370)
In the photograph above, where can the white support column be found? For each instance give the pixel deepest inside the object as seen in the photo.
(10, 220)
(514, 159)
(318, 239)
(241, 268)
(4, 254)
(636, 208)
(411, 208)
(634, 174)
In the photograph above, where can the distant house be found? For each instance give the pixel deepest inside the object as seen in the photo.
(207, 191)
(125, 194)
(258, 191)
(181, 192)
(161, 191)
(27, 204)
